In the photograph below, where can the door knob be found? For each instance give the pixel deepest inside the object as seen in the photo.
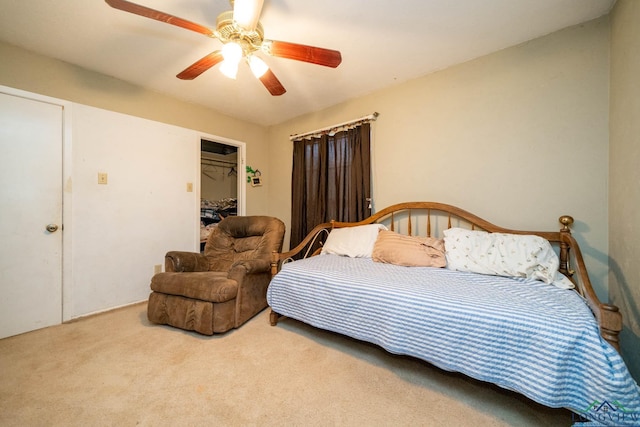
(52, 228)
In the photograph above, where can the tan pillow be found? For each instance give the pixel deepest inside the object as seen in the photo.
(410, 251)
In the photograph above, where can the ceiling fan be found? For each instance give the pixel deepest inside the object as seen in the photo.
(242, 36)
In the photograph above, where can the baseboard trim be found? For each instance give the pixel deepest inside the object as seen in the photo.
(107, 310)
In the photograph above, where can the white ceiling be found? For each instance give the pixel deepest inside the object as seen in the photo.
(383, 43)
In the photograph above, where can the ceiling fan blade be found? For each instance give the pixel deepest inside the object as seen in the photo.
(246, 13)
(159, 16)
(201, 66)
(300, 52)
(271, 82)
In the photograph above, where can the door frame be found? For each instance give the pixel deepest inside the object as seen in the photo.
(66, 185)
(241, 176)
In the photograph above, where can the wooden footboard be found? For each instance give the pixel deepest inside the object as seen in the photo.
(432, 218)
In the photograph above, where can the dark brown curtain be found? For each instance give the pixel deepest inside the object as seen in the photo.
(331, 179)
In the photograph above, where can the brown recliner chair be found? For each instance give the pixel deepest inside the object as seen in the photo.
(222, 288)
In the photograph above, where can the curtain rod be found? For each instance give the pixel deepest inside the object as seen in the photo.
(370, 117)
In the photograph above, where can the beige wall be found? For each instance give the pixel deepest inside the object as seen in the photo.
(624, 185)
(35, 73)
(518, 137)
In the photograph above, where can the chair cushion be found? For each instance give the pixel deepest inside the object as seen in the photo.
(210, 286)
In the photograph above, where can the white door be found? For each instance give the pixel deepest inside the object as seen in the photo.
(30, 202)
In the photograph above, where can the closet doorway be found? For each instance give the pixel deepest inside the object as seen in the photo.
(221, 177)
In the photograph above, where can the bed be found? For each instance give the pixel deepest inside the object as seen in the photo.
(432, 281)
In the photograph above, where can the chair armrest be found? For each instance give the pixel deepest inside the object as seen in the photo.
(251, 266)
(177, 261)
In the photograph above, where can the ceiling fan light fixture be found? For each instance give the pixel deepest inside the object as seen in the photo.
(229, 69)
(246, 13)
(257, 65)
(232, 52)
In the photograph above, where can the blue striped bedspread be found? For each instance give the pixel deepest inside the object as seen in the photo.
(520, 334)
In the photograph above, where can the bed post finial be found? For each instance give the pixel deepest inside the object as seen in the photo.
(566, 221)
(565, 266)
(275, 260)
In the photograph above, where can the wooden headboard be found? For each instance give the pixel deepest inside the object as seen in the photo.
(431, 218)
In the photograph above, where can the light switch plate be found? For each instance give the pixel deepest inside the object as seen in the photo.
(102, 178)
(189, 187)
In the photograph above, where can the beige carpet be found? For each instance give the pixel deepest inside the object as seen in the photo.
(116, 369)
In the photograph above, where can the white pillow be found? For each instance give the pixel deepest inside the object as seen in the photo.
(563, 282)
(501, 254)
(354, 242)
